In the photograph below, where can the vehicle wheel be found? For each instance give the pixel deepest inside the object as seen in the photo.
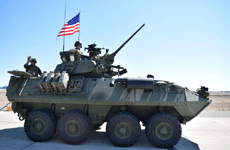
(47, 110)
(74, 127)
(123, 129)
(40, 126)
(163, 130)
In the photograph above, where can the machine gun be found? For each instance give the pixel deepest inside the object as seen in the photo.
(93, 51)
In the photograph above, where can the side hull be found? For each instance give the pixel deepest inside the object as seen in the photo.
(98, 100)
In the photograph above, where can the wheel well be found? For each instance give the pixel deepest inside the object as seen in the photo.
(24, 109)
(143, 113)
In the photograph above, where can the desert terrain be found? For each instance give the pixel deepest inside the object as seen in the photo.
(220, 101)
(3, 98)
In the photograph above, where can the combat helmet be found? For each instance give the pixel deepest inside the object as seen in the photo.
(77, 43)
(33, 60)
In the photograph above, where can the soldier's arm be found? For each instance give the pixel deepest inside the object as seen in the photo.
(79, 52)
(72, 50)
(39, 71)
(27, 63)
(105, 54)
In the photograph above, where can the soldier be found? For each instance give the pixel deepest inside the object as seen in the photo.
(32, 68)
(101, 57)
(78, 46)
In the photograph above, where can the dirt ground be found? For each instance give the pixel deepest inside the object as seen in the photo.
(220, 101)
(3, 98)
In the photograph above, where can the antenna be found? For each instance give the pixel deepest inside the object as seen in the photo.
(64, 31)
(79, 27)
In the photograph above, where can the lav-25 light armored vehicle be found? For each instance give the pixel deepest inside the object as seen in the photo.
(80, 95)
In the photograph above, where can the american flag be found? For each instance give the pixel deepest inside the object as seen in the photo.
(70, 27)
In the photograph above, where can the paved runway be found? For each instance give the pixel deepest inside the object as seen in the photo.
(210, 130)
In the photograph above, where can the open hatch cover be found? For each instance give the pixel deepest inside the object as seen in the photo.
(20, 73)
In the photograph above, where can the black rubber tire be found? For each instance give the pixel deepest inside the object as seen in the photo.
(79, 123)
(163, 130)
(123, 122)
(46, 125)
(47, 110)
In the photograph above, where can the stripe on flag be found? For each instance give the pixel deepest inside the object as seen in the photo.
(70, 27)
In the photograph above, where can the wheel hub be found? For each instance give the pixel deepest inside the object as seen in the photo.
(72, 128)
(38, 126)
(164, 131)
(123, 130)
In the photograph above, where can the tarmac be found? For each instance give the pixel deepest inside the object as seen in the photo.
(210, 130)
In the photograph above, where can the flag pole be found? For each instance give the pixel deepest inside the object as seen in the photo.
(64, 31)
(79, 27)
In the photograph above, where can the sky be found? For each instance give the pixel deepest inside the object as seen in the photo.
(185, 42)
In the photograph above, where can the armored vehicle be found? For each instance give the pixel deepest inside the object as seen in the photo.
(81, 94)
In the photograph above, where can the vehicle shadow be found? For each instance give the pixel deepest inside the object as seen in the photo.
(97, 140)
(14, 133)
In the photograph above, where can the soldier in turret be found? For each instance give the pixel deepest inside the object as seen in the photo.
(77, 49)
(32, 68)
(101, 57)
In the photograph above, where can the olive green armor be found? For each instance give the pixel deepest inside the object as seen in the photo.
(81, 94)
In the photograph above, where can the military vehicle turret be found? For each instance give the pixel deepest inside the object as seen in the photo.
(92, 65)
(80, 95)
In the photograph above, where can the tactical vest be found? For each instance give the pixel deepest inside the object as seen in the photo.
(33, 70)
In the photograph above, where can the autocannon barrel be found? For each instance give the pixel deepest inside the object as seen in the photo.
(114, 53)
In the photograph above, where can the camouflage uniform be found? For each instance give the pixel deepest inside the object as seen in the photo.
(33, 69)
(76, 51)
